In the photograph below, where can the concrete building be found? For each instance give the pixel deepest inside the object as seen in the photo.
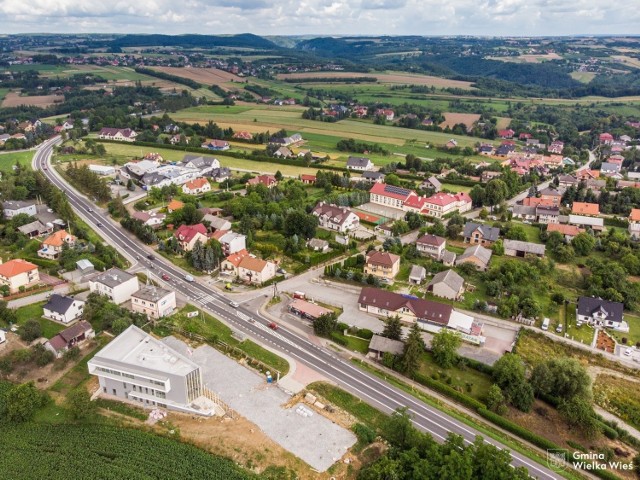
(232, 242)
(441, 204)
(154, 302)
(518, 248)
(18, 273)
(15, 207)
(63, 309)
(115, 284)
(102, 169)
(417, 274)
(138, 367)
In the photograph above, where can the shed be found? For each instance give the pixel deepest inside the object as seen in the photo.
(447, 284)
(518, 248)
(417, 274)
(380, 345)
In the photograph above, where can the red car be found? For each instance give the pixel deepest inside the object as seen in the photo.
(166, 277)
(273, 326)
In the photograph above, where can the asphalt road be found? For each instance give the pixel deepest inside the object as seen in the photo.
(365, 386)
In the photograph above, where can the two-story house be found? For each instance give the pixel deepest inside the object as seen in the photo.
(61, 308)
(18, 273)
(601, 313)
(116, 284)
(154, 302)
(333, 217)
(12, 208)
(52, 245)
(383, 265)
(634, 223)
(196, 187)
(431, 245)
(479, 234)
(359, 164)
(189, 235)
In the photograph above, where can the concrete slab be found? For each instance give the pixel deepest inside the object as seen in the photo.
(305, 433)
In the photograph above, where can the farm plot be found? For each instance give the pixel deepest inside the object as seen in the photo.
(14, 99)
(387, 77)
(206, 76)
(452, 119)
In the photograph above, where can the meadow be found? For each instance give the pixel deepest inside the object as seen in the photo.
(9, 159)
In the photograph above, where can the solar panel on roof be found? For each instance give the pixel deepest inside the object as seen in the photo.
(396, 190)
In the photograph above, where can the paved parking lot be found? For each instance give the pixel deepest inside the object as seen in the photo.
(313, 438)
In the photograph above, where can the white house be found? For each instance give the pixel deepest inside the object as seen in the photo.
(601, 313)
(15, 207)
(154, 302)
(63, 309)
(115, 284)
(255, 270)
(431, 245)
(233, 242)
(196, 186)
(333, 217)
(119, 134)
(359, 164)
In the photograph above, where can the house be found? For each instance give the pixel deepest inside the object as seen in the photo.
(432, 183)
(150, 219)
(479, 234)
(442, 204)
(518, 248)
(552, 195)
(283, 152)
(268, 181)
(582, 208)
(504, 150)
(524, 212)
(568, 231)
(373, 177)
(308, 310)
(255, 270)
(174, 205)
(452, 143)
(478, 256)
(489, 175)
(486, 149)
(566, 181)
(383, 265)
(308, 179)
(118, 134)
(171, 128)
(537, 202)
(431, 245)
(35, 229)
(610, 169)
(18, 273)
(634, 223)
(447, 284)
(230, 264)
(333, 217)
(556, 147)
(380, 345)
(243, 136)
(70, 337)
(601, 313)
(115, 284)
(318, 245)
(52, 245)
(138, 367)
(217, 145)
(189, 235)
(102, 169)
(417, 274)
(359, 164)
(596, 224)
(606, 138)
(587, 174)
(204, 164)
(217, 223)
(196, 187)
(63, 309)
(387, 113)
(508, 133)
(232, 242)
(154, 302)
(547, 215)
(12, 208)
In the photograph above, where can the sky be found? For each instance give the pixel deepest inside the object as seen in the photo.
(323, 17)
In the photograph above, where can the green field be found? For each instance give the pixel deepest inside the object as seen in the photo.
(3, 92)
(584, 77)
(9, 159)
(34, 312)
(58, 452)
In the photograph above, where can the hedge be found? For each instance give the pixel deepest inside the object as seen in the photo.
(450, 392)
(42, 262)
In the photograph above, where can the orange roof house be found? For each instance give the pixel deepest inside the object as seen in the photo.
(174, 205)
(18, 273)
(583, 208)
(634, 216)
(59, 238)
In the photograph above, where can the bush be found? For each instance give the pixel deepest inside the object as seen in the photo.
(608, 432)
(364, 333)
(517, 430)
(339, 339)
(342, 327)
(450, 392)
(365, 434)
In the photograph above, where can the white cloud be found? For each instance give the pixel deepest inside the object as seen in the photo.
(282, 17)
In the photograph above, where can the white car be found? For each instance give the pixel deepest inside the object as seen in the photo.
(628, 352)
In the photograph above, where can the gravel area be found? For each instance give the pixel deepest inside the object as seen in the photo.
(311, 437)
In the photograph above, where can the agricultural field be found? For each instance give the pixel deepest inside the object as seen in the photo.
(452, 119)
(9, 159)
(390, 78)
(584, 77)
(3, 92)
(206, 76)
(51, 451)
(14, 99)
(618, 396)
(529, 58)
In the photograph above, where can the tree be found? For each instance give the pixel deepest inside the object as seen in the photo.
(79, 402)
(325, 324)
(413, 349)
(498, 247)
(583, 244)
(22, 401)
(444, 347)
(579, 412)
(516, 232)
(393, 328)
(563, 253)
(564, 378)
(495, 192)
(7, 315)
(509, 375)
(120, 325)
(495, 399)
(301, 224)
(30, 331)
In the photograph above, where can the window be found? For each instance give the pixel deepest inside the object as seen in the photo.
(114, 391)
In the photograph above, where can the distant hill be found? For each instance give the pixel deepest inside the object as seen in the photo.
(246, 40)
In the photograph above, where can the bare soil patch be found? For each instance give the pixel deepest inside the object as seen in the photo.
(399, 78)
(13, 99)
(451, 119)
(206, 76)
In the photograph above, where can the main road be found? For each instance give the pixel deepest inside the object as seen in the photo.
(365, 386)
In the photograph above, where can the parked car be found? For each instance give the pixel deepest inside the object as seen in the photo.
(166, 277)
(545, 324)
(273, 326)
(559, 328)
(628, 352)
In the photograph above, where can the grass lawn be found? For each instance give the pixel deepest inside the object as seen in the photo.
(584, 333)
(633, 336)
(618, 396)
(8, 160)
(34, 312)
(208, 326)
(354, 343)
(460, 377)
(3, 92)
(456, 188)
